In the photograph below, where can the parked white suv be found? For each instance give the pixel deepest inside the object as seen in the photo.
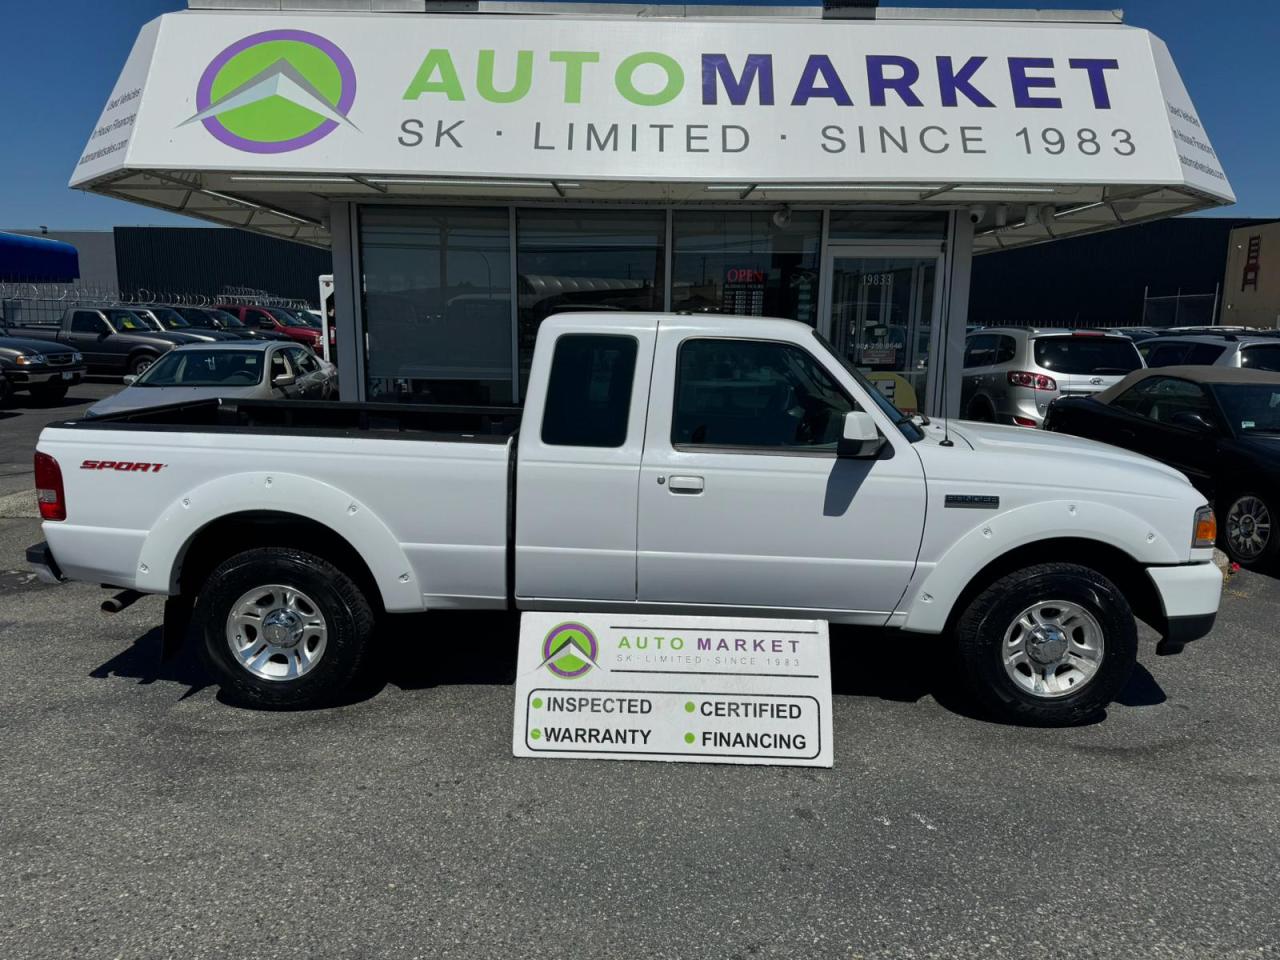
(1214, 350)
(1012, 374)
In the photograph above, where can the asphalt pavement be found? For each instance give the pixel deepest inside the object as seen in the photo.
(144, 817)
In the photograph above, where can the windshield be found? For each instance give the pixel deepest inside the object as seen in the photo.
(204, 368)
(900, 419)
(170, 318)
(127, 321)
(1087, 356)
(1250, 407)
(229, 320)
(293, 318)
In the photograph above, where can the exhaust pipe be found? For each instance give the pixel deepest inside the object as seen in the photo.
(125, 598)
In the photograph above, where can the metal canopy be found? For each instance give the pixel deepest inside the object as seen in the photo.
(1039, 129)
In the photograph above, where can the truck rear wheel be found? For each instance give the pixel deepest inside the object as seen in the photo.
(283, 629)
(1051, 645)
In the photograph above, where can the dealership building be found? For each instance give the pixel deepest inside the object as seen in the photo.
(475, 172)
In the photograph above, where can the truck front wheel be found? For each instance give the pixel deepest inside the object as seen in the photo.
(139, 364)
(282, 629)
(1050, 645)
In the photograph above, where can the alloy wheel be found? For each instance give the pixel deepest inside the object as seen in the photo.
(276, 632)
(1249, 527)
(1053, 648)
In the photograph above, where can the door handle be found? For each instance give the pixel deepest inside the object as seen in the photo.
(685, 484)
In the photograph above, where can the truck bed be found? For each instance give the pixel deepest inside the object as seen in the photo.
(429, 516)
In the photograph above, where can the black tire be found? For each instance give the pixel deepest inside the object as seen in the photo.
(981, 632)
(346, 613)
(6, 391)
(49, 392)
(1233, 545)
(138, 364)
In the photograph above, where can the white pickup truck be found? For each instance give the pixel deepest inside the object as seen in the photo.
(661, 463)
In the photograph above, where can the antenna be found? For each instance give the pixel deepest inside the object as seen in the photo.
(944, 291)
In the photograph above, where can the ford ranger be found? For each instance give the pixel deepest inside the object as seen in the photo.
(673, 464)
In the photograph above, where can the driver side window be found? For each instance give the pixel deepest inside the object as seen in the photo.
(1162, 398)
(755, 393)
(86, 321)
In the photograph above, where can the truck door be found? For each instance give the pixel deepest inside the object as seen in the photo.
(89, 333)
(743, 500)
(579, 461)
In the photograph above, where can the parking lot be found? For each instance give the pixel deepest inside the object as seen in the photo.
(145, 817)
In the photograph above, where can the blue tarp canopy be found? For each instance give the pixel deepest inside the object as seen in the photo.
(37, 260)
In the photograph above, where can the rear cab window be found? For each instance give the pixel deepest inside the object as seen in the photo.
(589, 392)
(1085, 355)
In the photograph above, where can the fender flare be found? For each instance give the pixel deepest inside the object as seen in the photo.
(175, 529)
(928, 606)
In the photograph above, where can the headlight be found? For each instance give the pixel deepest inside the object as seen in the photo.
(32, 361)
(1206, 529)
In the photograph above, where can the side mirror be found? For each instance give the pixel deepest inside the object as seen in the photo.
(859, 438)
(1192, 421)
(129, 379)
(283, 380)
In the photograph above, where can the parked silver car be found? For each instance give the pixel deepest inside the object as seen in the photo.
(1012, 374)
(240, 369)
(1216, 350)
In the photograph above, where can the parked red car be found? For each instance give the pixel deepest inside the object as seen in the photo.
(288, 322)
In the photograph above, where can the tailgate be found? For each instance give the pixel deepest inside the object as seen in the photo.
(1084, 385)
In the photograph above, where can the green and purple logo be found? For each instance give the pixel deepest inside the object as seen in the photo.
(276, 91)
(570, 651)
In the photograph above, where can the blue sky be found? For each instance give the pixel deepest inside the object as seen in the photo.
(61, 58)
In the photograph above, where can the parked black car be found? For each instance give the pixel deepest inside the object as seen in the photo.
(45, 370)
(167, 320)
(1218, 425)
(211, 318)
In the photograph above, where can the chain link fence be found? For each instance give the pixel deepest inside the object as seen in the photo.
(1180, 310)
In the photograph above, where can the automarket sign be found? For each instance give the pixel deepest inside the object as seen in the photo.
(662, 100)
(692, 689)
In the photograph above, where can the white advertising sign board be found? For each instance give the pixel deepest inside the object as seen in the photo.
(661, 100)
(691, 689)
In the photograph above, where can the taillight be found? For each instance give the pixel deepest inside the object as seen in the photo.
(49, 492)
(1036, 381)
(1023, 422)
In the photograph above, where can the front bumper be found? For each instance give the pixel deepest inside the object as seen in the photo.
(1189, 598)
(40, 558)
(26, 378)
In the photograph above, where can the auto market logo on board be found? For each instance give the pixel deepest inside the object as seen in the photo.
(276, 91)
(570, 651)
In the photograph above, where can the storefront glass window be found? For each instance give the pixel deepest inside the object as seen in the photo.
(437, 304)
(581, 260)
(743, 263)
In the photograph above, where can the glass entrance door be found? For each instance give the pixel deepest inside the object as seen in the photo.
(883, 312)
